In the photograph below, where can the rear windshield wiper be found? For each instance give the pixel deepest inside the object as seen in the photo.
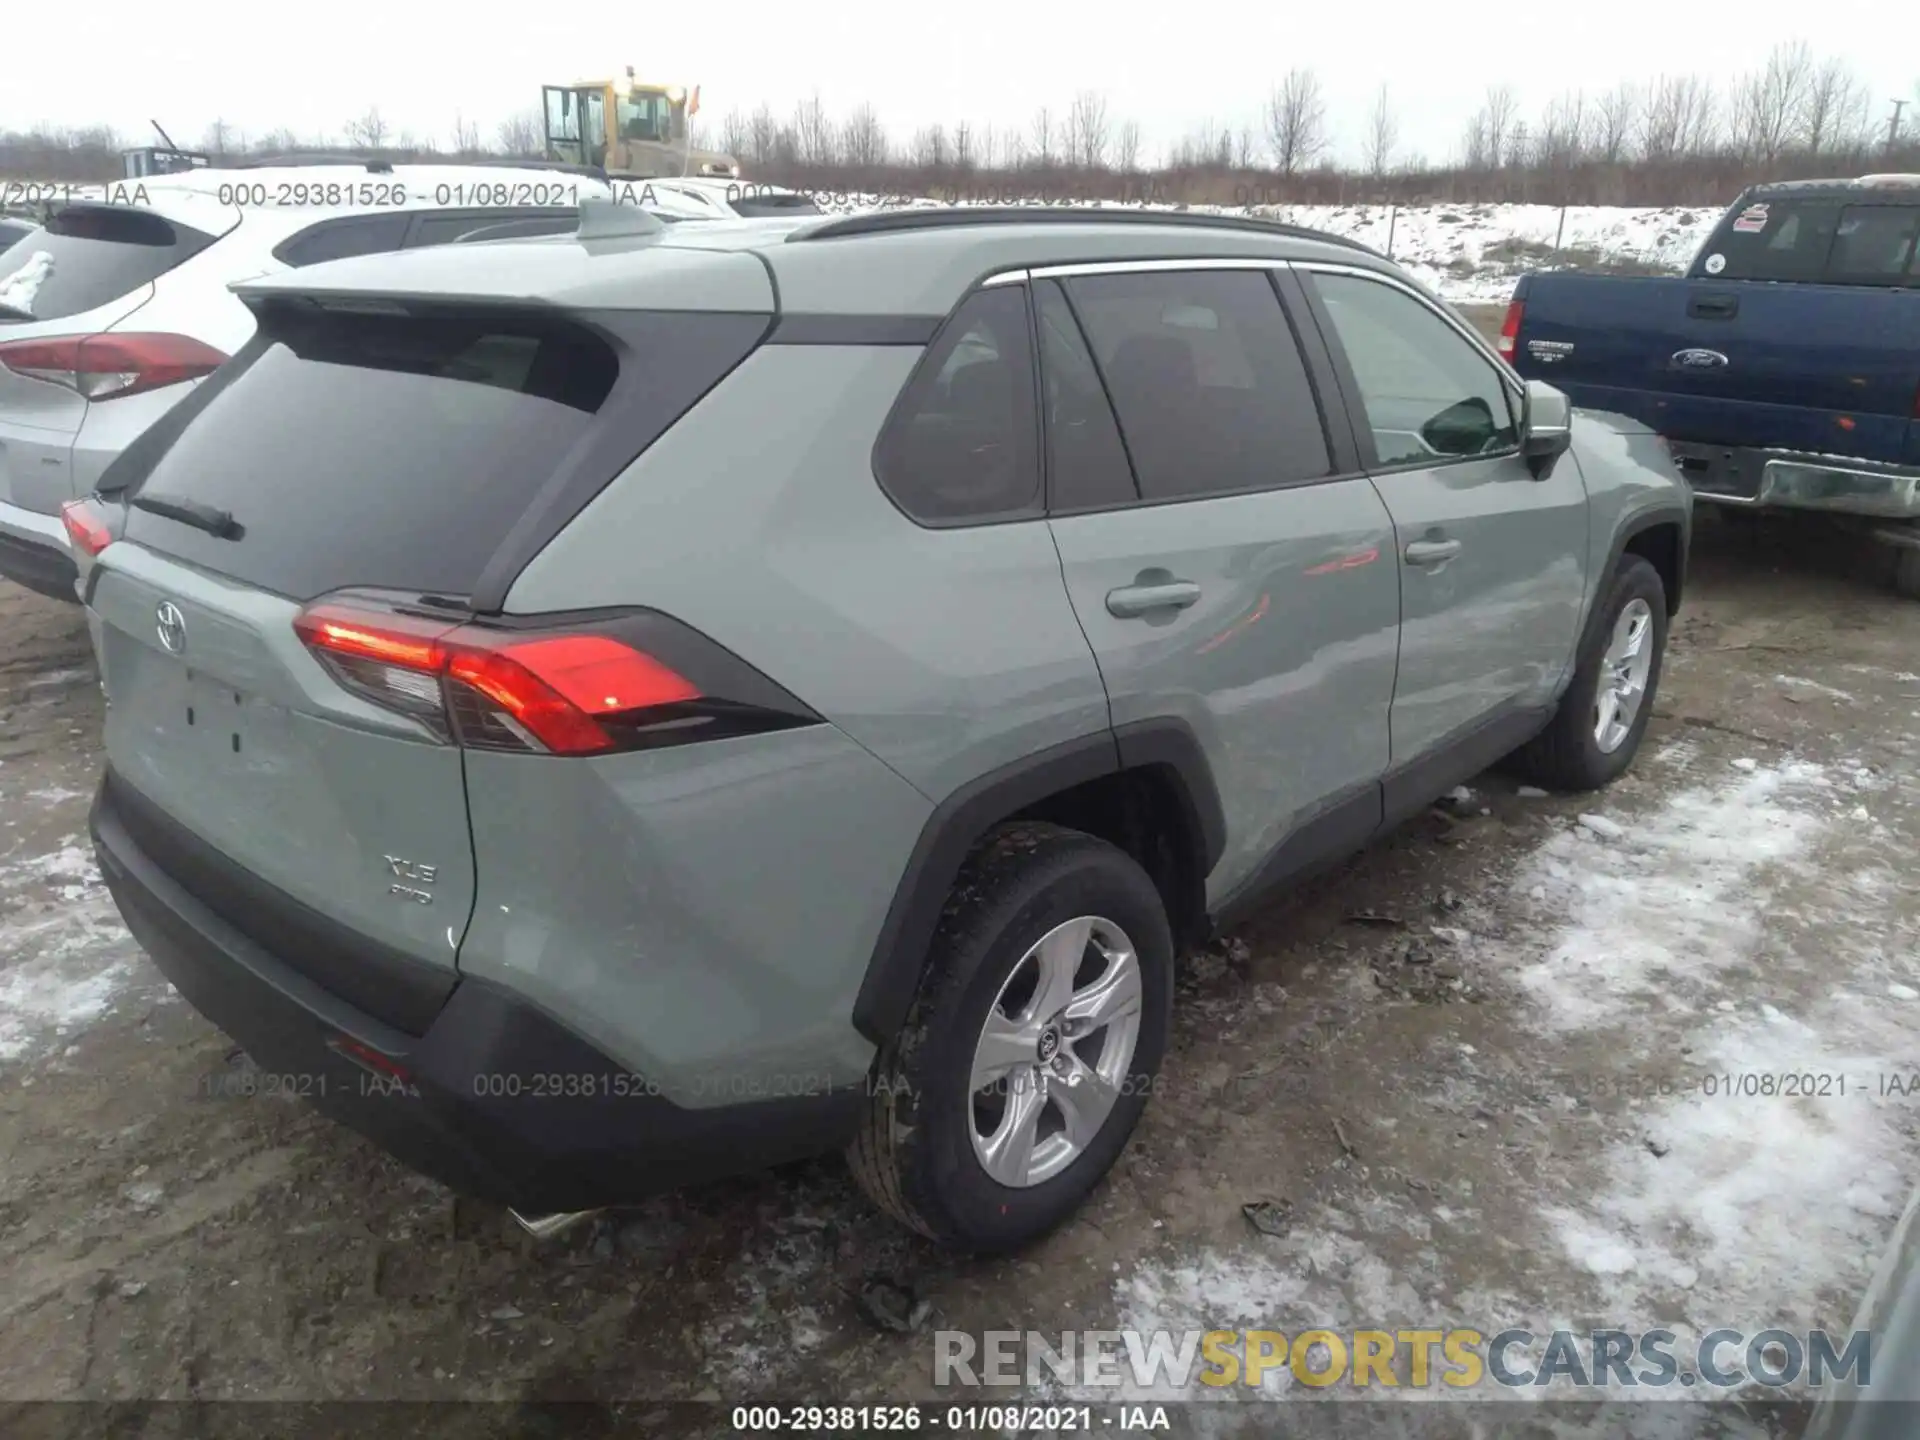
(216, 522)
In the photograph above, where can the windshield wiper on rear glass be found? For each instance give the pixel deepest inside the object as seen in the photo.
(216, 522)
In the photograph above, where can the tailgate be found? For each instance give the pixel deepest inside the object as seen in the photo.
(305, 778)
(329, 830)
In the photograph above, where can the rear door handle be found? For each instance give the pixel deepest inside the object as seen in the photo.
(1432, 552)
(1134, 600)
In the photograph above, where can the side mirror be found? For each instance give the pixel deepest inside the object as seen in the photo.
(1546, 429)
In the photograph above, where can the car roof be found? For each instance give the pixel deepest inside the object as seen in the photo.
(1890, 189)
(816, 265)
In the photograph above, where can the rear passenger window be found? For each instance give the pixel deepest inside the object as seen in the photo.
(1206, 378)
(963, 441)
(1429, 395)
(1874, 245)
(1087, 465)
(339, 239)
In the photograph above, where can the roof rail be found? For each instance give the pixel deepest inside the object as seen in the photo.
(312, 157)
(887, 222)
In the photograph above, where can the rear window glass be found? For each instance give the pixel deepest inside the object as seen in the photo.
(380, 450)
(1823, 240)
(85, 256)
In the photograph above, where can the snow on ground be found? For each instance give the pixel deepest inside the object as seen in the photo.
(1470, 254)
(65, 957)
(1740, 930)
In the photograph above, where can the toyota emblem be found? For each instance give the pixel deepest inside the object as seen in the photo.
(171, 627)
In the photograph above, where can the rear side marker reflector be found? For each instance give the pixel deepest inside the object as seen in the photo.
(571, 692)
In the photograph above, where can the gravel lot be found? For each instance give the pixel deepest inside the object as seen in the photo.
(1472, 1065)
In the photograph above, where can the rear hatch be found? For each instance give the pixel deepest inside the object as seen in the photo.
(280, 621)
(87, 271)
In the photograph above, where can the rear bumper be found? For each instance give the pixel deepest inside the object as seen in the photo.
(496, 1100)
(1789, 480)
(34, 553)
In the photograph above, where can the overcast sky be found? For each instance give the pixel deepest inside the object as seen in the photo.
(1171, 66)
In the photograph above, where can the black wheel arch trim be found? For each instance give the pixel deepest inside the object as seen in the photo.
(1638, 523)
(957, 823)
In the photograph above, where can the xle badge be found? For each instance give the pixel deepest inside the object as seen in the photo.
(420, 875)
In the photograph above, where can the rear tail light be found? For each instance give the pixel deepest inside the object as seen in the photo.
(87, 528)
(591, 690)
(105, 367)
(1510, 328)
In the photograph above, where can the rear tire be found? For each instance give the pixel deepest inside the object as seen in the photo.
(1568, 754)
(919, 1152)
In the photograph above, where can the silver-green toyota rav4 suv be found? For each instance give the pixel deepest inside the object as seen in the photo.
(612, 710)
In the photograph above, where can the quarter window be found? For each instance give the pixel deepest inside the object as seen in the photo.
(963, 442)
(1429, 395)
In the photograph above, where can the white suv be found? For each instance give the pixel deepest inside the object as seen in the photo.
(115, 307)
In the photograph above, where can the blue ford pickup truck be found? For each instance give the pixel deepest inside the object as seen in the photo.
(1783, 369)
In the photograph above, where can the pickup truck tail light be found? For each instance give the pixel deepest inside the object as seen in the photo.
(1510, 329)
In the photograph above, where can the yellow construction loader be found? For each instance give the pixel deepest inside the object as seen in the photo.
(630, 130)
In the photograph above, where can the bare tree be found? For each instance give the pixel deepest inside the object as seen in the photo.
(1127, 150)
(1502, 110)
(466, 135)
(989, 148)
(1043, 137)
(863, 141)
(1087, 135)
(813, 132)
(964, 159)
(1246, 145)
(1613, 122)
(521, 134)
(369, 132)
(1383, 133)
(1677, 118)
(1014, 146)
(930, 148)
(1561, 141)
(1296, 121)
(734, 133)
(218, 138)
(1769, 105)
(763, 136)
(1835, 112)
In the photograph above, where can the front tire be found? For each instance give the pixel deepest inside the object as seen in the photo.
(1031, 1048)
(1596, 731)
